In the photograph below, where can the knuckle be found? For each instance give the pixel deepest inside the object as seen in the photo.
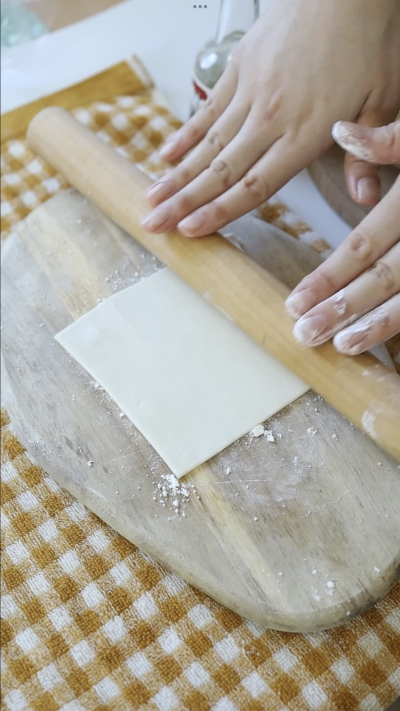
(361, 244)
(210, 108)
(185, 175)
(220, 214)
(272, 108)
(185, 204)
(256, 186)
(323, 281)
(221, 169)
(214, 140)
(383, 273)
(193, 133)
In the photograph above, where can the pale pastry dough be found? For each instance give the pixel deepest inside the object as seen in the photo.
(189, 379)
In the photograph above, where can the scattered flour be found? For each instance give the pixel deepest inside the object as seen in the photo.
(169, 490)
(340, 303)
(257, 431)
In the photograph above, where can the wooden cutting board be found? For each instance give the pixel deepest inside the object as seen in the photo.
(299, 534)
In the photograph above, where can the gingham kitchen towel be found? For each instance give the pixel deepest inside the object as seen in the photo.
(89, 622)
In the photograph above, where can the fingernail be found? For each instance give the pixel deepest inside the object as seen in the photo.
(308, 328)
(170, 145)
(161, 181)
(154, 221)
(172, 137)
(368, 191)
(351, 341)
(352, 138)
(156, 190)
(363, 334)
(299, 302)
(191, 224)
(340, 131)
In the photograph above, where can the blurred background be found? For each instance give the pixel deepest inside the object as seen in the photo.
(22, 20)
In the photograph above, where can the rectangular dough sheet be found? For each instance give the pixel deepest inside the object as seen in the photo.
(186, 376)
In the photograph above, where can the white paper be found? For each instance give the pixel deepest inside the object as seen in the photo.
(186, 376)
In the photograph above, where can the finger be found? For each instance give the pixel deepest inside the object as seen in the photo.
(224, 172)
(375, 145)
(372, 288)
(274, 169)
(219, 136)
(366, 142)
(362, 180)
(196, 128)
(374, 328)
(377, 233)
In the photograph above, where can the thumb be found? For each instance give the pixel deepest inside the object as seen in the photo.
(375, 145)
(366, 146)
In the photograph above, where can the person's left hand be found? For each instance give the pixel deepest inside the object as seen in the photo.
(359, 284)
(271, 112)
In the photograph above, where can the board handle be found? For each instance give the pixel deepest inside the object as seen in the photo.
(359, 387)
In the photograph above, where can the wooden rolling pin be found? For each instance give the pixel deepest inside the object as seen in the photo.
(361, 388)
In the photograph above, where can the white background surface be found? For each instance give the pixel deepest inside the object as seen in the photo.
(166, 35)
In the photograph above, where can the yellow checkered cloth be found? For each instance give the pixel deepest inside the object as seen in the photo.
(89, 622)
(135, 125)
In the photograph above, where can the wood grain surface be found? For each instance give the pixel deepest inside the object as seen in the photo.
(298, 534)
(361, 388)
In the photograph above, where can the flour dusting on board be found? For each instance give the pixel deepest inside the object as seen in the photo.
(171, 492)
(261, 431)
(257, 431)
(168, 492)
(125, 276)
(270, 472)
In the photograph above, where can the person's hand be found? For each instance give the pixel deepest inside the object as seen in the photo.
(304, 65)
(359, 283)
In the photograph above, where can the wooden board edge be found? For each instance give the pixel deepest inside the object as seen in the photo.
(127, 77)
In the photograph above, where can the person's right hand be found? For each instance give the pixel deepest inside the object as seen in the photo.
(354, 296)
(303, 66)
